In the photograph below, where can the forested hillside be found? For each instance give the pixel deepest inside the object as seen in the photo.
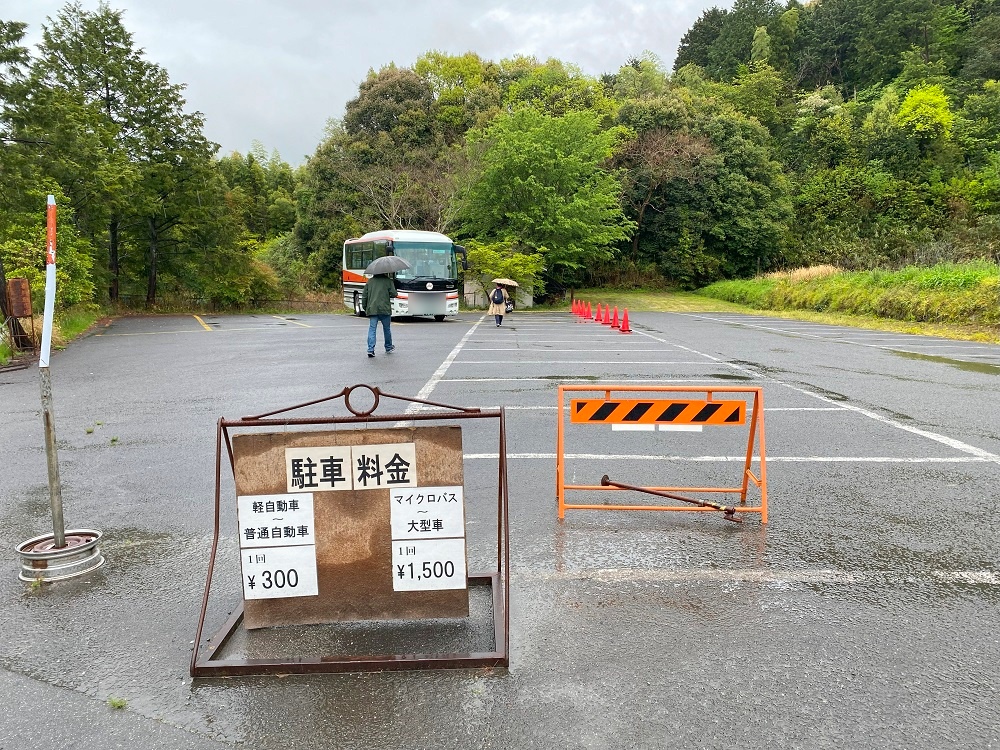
(864, 134)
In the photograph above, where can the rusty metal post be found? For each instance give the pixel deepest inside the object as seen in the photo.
(55, 486)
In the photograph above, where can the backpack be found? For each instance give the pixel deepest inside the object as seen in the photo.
(497, 296)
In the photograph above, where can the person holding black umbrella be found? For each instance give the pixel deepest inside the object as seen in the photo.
(376, 299)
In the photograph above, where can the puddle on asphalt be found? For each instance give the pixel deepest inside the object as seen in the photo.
(773, 371)
(832, 395)
(960, 364)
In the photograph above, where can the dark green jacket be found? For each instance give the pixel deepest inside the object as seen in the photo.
(378, 294)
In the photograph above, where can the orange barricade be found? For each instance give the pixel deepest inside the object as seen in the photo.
(599, 408)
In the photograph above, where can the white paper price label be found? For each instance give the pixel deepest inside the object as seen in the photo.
(428, 564)
(427, 512)
(276, 520)
(279, 572)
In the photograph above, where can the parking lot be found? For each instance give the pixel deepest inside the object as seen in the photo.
(861, 615)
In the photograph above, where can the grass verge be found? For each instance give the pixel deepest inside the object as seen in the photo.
(755, 293)
(69, 324)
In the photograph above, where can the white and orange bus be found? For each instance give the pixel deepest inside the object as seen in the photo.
(428, 287)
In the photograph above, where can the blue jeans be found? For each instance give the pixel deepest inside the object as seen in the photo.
(373, 321)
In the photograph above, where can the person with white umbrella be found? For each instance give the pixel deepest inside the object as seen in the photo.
(376, 299)
(500, 301)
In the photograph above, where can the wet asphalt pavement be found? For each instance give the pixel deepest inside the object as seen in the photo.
(863, 615)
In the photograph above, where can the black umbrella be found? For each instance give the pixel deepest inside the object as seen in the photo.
(386, 264)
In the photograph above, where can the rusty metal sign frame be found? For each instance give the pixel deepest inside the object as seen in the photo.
(204, 661)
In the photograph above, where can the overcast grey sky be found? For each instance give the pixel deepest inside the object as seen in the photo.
(276, 70)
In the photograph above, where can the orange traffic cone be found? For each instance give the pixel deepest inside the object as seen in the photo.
(607, 316)
(574, 308)
(614, 320)
(625, 328)
(597, 315)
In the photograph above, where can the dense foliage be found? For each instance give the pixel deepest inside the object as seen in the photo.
(864, 134)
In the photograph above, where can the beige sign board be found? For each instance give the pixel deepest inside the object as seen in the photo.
(352, 526)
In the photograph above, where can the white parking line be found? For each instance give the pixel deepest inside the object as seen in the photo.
(588, 350)
(978, 453)
(944, 440)
(438, 375)
(768, 409)
(575, 362)
(571, 380)
(738, 459)
(953, 346)
(745, 575)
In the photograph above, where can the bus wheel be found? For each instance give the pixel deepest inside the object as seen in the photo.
(357, 306)
(439, 318)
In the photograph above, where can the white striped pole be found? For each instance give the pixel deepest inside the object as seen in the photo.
(48, 413)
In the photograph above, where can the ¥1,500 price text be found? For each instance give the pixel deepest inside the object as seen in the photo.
(436, 569)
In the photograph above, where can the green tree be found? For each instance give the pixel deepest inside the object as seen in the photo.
(823, 133)
(556, 88)
(982, 50)
(732, 47)
(260, 191)
(541, 186)
(118, 129)
(181, 199)
(826, 42)
(652, 160)
(698, 40)
(393, 108)
(926, 111)
(13, 55)
(976, 124)
(782, 33)
(641, 78)
(89, 72)
(738, 221)
(488, 261)
(760, 47)
(466, 90)
(26, 154)
(761, 92)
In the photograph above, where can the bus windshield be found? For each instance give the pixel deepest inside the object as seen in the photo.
(428, 260)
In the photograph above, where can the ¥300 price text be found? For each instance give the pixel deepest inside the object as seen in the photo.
(275, 579)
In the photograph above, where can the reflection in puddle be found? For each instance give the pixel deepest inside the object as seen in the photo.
(960, 364)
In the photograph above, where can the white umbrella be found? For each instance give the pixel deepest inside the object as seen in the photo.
(506, 282)
(386, 264)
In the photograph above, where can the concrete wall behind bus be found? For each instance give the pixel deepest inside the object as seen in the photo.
(474, 298)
